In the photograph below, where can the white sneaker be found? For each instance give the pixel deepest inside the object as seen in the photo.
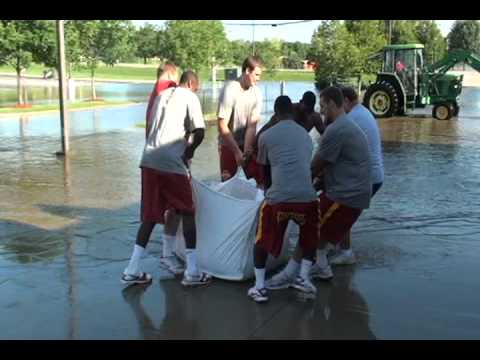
(324, 273)
(172, 264)
(258, 295)
(196, 280)
(279, 281)
(304, 285)
(344, 257)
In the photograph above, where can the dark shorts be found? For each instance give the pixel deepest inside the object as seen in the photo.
(336, 219)
(274, 220)
(162, 191)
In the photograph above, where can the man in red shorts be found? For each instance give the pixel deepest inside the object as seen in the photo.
(167, 153)
(342, 161)
(167, 77)
(286, 148)
(239, 110)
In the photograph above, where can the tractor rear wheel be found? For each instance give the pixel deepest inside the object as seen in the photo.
(381, 99)
(442, 111)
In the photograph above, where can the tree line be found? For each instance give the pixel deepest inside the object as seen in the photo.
(339, 48)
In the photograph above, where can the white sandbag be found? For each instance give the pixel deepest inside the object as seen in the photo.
(226, 218)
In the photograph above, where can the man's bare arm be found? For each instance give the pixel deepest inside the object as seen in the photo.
(318, 123)
(250, 136)
(318, 165)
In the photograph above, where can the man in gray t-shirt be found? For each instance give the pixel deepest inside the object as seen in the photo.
(286, 150)
(343, 160)
(365, 120)
(176, 117)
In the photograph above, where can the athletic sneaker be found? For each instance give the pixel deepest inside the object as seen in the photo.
(304, 285)
(344, 257)
(172, 264)
(141, 278)
(279, 281)
(196, 280)
(324, 273)
(258, 295)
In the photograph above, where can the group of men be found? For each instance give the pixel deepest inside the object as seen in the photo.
(347, 167)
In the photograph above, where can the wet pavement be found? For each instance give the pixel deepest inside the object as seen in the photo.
(67, 228)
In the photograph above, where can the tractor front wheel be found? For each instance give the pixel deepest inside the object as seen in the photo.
(443, 111)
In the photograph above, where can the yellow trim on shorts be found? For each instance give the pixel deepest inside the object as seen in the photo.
(329, 212)
(260, 223)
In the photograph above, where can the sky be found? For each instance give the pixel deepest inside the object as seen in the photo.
(294, 32)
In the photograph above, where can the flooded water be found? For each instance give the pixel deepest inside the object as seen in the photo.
(73, 222)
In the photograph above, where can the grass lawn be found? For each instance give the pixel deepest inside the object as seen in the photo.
(119, 72)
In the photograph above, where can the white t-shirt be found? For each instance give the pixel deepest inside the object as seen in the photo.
(365, 120)
(176, 113)
(238, 107)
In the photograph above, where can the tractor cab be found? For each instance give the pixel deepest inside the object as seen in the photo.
(406, 61)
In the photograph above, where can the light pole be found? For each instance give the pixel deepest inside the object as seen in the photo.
(253, 37)
(62, 88)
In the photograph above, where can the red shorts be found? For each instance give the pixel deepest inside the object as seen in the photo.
(228, 164)
(274, 220)
(336, 219)
(162, 191)
(229, 167)
(255, 170)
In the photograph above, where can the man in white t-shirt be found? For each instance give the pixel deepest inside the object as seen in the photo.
(239, 109)
(168, 151)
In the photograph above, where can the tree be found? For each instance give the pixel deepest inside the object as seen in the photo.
(429, 34)
(195, 44)
(21, 42)
(403, 31)
(369, 38)
(294, 53)
(239, 50)
(146, 39)
(102, 40)
(465, 34)
(73, 50)
(270, 51)
(335, 53)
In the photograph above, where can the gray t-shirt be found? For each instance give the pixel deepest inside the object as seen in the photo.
(364, 118)
(176, 113)
(287, 148)
(347, 176)
(238, 107)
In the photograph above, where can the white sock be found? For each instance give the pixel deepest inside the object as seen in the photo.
(259, 278)
(134, 264)
(305, 269)
(191, 255)
(168, 245)
(322, 258)
(292, 268)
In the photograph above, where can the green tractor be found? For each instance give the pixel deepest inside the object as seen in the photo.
(405, 82)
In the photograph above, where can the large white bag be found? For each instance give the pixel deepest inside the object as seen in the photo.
(226, 220)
